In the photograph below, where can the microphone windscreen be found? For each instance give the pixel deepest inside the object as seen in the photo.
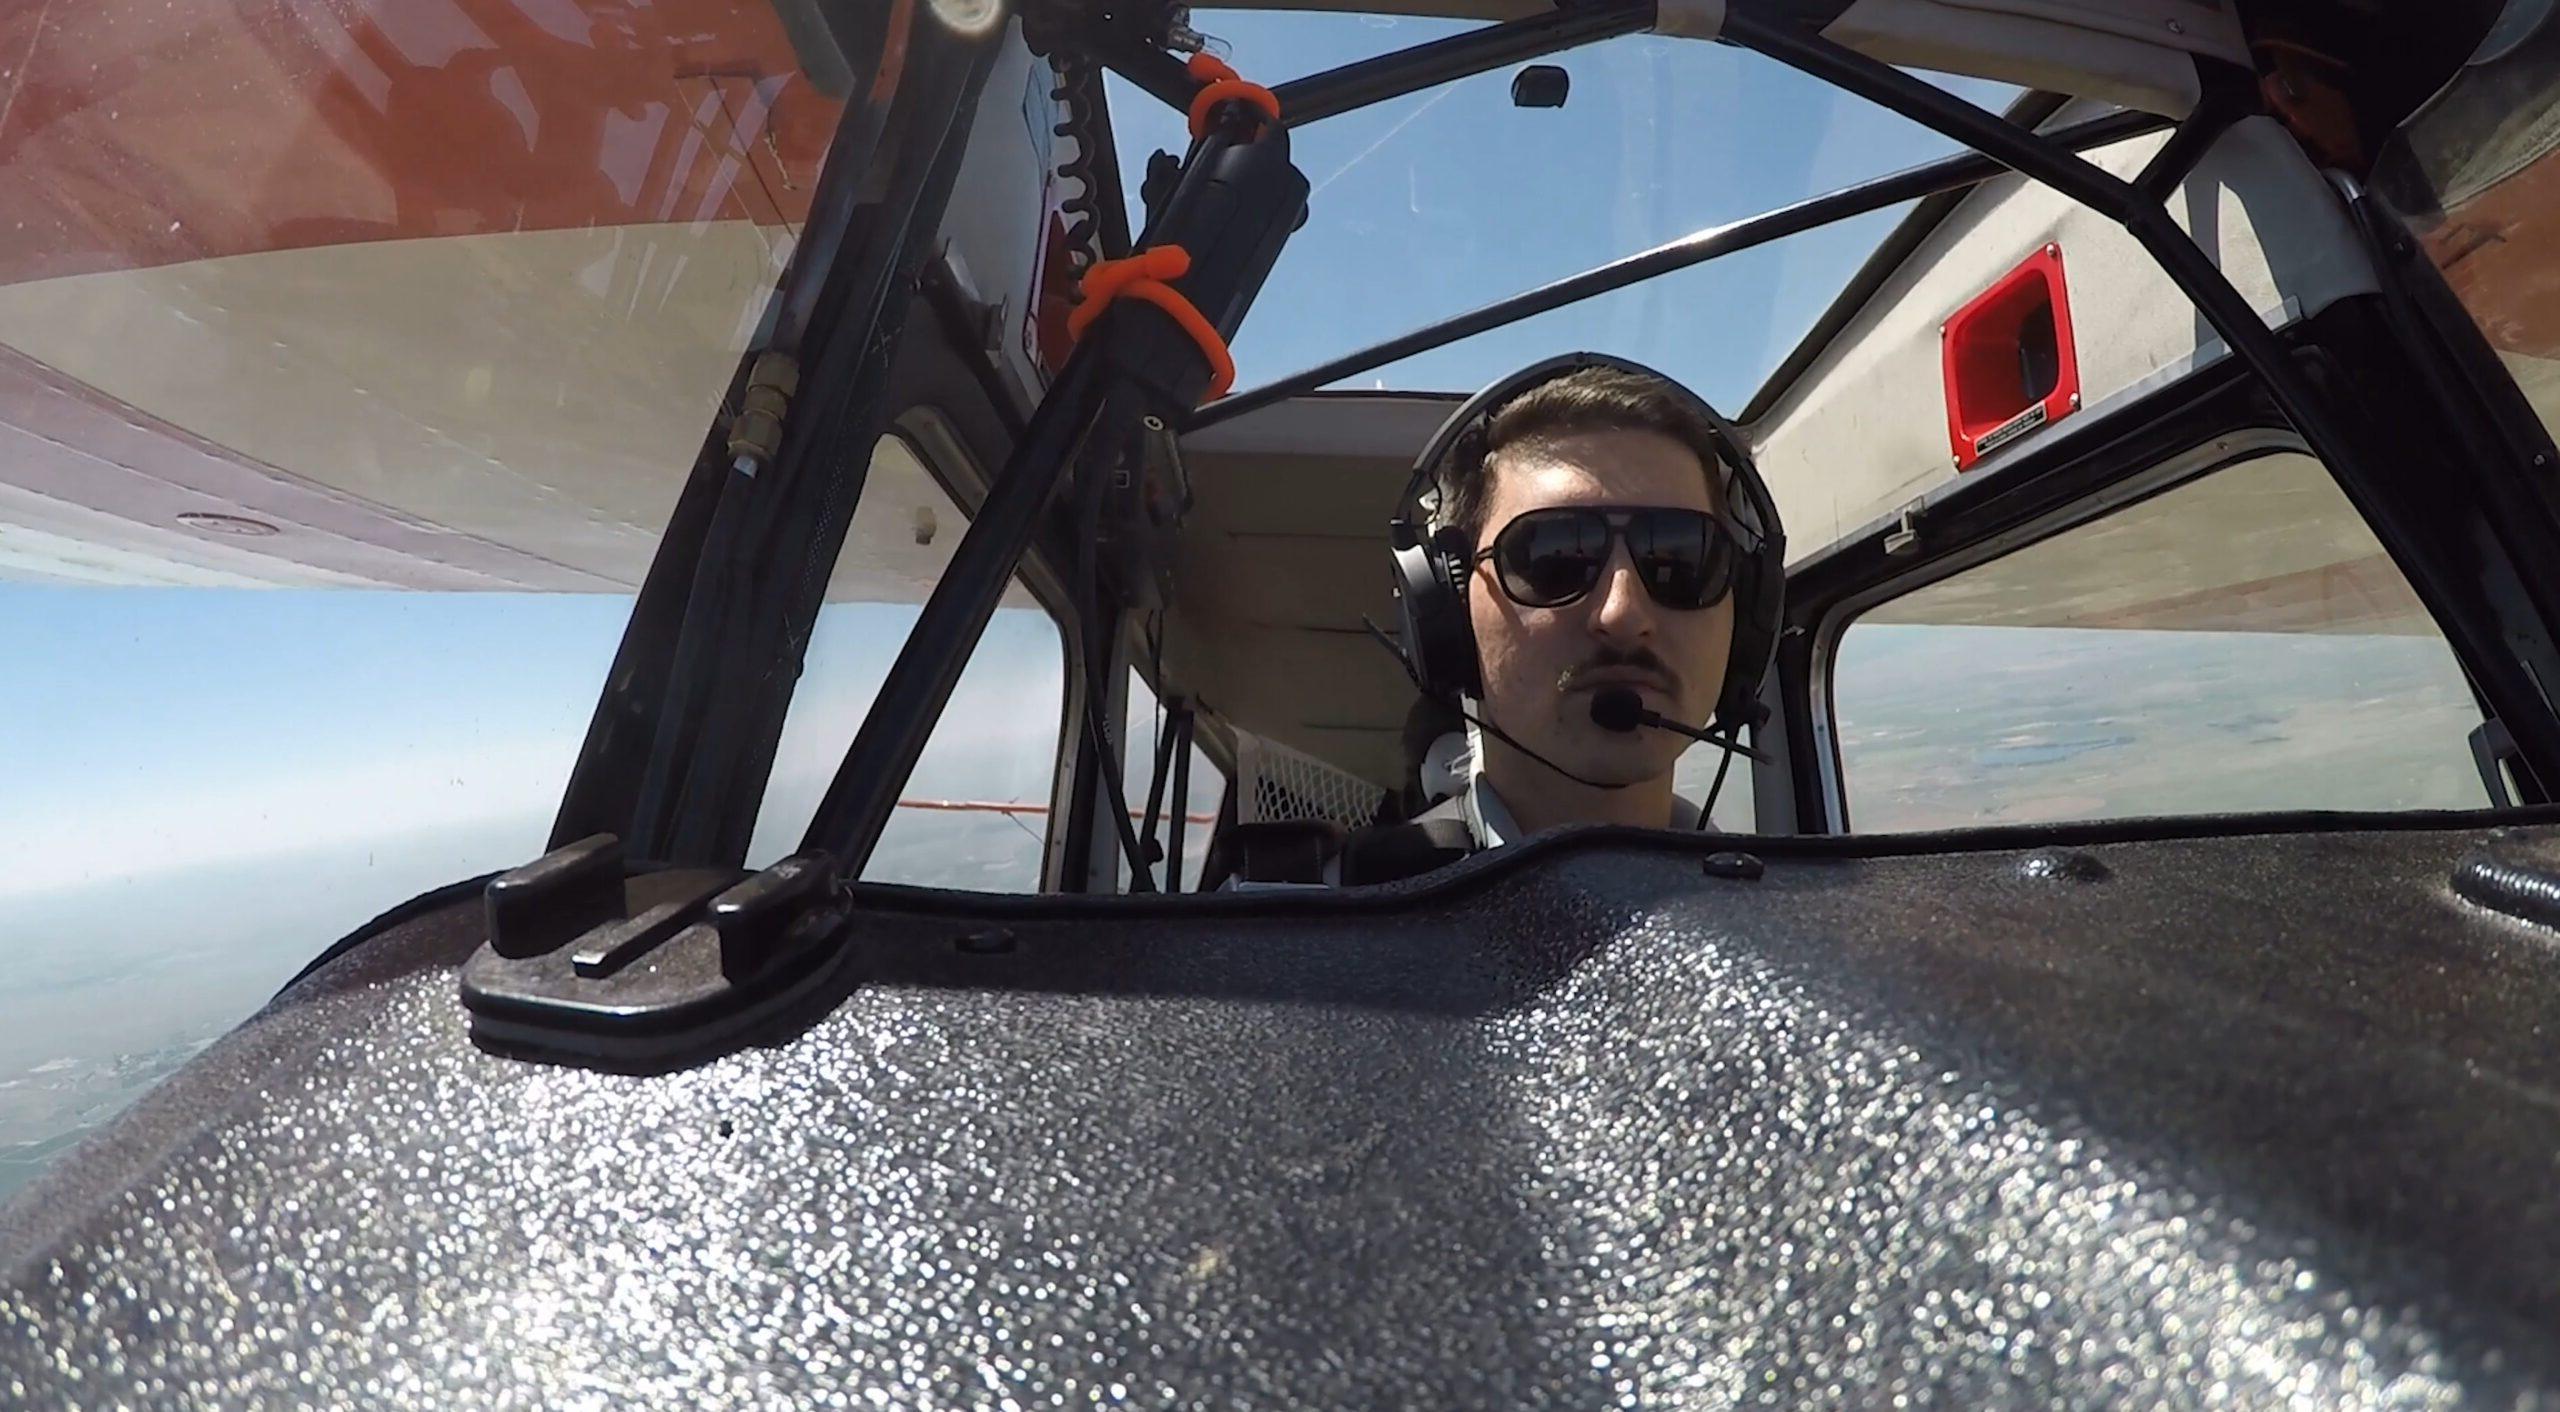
(1617, 709)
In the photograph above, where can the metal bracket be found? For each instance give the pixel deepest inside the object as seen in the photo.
(756, 435)
(1904, 538)
(2492, 749)
(585, 966)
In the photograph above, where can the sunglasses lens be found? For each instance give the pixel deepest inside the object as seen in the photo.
(1684, 561)
(1549, 558)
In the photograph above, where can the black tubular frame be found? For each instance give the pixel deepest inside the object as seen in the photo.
(1997, 146)
(1237, 172)
(1952, 173)
(706, 784)
(649, 736)
(2146, 219)
(1179, 721)
(1358, 85)
(2518, 699)
(1147, 843)
(1355, 86)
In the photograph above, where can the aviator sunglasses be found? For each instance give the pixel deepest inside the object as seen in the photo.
(1550, 558)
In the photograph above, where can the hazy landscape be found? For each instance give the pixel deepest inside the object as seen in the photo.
(1947, 727)
(216, 787)
(130, 965)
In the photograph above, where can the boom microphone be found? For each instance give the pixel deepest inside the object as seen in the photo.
(1619, 709)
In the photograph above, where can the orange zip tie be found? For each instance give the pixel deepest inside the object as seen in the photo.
(1220, 84)
(1143, 276)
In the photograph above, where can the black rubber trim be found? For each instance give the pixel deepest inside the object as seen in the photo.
(1484, 869)
(1496, 865)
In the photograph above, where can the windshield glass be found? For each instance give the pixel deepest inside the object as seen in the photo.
(481, 264)
(351, 359)
(1444, 200)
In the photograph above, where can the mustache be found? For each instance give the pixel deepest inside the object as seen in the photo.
(1642, 659)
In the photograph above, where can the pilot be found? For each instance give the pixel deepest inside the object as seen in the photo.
(1587, 572)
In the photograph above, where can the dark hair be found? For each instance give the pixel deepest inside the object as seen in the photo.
(1589, 399)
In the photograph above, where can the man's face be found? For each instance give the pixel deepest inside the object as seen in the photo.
(1543, 665)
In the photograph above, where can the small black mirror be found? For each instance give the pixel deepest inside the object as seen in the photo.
(1540, 86)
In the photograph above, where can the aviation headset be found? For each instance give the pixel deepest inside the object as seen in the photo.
(1434, 562)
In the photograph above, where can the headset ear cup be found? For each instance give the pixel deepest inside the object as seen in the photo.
(1450, 554)
(1759, 596)
(1757, 608)
(1431, 612)
(1453, 553)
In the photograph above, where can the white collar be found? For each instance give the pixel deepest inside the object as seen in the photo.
(1490, 820)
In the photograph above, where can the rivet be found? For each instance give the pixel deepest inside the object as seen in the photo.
(2066, 864)
(2176, 28)
(1741, 866)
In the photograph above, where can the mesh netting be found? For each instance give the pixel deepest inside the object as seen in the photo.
(1280, 783)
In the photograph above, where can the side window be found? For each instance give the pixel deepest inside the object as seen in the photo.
(2240, 642)
(975, 813)
(1197, 812)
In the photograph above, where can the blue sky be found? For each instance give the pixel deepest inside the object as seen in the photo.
(1444, 200)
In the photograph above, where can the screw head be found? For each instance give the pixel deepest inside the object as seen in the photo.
(2063, 865)
(1742, 867)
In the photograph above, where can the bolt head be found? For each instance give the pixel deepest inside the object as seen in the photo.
(1741, 867)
